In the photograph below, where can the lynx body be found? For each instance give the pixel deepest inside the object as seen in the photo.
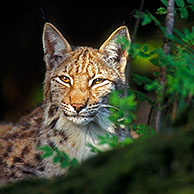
(74, 111)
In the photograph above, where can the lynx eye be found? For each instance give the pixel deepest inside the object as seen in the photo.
(65, 79)
(98, 81)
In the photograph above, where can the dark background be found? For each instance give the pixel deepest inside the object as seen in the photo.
(22, 67)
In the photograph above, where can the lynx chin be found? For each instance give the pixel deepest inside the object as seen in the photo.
(74, 112)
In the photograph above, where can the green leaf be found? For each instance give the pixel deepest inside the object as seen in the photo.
(157, 22)
(141, 96)
(190, 1)
(64, 163)
(145, 48)
(184, 13)
(164, 2)
(111, 140)
(187, 32)
(180, 3)
(156, 74)
(139, 80)
(179, 33)
(47, 151)
(127, 141)
(175, 38)
(146, 19)
(56, 159)
(153, 86)
(73, 163)
(113, 99)
(192, 7)
(145, 131)
(94, 149)
(124, 42)
(161, 11)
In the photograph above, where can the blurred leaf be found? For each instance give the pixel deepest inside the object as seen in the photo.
(161, 11)
(192, 7)
(180, 3)
(111, 140)
(144, 131)
(139, 79)
(123, 41)
(126, 141)
(57, 158)
(146, 19)
(164, 2)
(184, 13)
(47, 151)
(141, 96)
(73, 163)
(65, 160)
(94, 149)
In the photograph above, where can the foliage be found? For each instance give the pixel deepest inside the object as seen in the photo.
(179, 66)
(182, 7)
(58, 156)
(178, 87)
(123, 115)
(112, 141)
(179, 63)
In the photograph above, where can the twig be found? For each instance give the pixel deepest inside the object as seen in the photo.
(137, 21)
(174, 108)
(127, 72)
(166, 48)
(149, 116)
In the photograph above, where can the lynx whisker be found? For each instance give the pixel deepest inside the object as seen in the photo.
(108, 106)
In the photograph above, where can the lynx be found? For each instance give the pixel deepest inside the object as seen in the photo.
(74, 111)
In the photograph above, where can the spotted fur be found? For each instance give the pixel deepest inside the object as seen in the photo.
(74, 111)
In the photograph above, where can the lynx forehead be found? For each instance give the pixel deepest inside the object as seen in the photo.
(85, 62)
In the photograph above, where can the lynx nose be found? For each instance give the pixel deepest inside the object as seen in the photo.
(78, 106)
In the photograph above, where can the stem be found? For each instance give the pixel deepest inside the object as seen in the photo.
(127, 72)
(137, 21)
(188, 99)
(174, 108)
(149, 116)
(166, 48)
(169, 25)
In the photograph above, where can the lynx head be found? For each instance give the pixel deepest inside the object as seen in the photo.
(78, 80)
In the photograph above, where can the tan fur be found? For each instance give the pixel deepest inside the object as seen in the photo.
(74, 112)
(5, 127)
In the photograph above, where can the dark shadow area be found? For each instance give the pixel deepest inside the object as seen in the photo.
(22, 66)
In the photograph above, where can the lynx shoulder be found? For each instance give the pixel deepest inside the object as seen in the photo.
(74, 111)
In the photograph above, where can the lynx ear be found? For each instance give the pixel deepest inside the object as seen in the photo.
(113, 51)
(54, 45)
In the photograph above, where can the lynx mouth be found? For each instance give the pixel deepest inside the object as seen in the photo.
(79, 116)
(80, 119)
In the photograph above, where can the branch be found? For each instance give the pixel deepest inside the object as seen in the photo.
(166, 48)
(127, 72)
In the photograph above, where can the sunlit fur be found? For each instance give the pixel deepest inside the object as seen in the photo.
(75, 107)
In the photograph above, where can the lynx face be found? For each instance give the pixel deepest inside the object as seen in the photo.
(79, 80)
